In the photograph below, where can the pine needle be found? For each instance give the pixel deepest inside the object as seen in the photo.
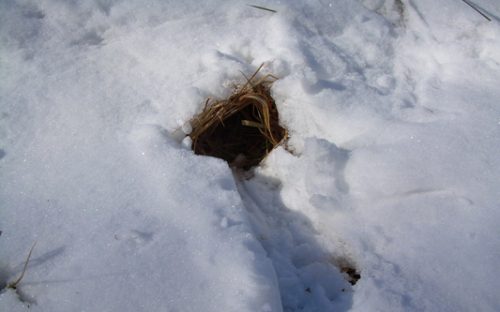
(262, 8)
(477, 10)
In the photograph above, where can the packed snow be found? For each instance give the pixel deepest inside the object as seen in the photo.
(392, 167)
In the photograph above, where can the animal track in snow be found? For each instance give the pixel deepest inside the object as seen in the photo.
(135, 238)
(308, 275)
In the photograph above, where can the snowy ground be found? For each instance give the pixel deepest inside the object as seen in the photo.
(393, 108)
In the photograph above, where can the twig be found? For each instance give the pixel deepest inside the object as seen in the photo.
(14, 284)
(262, 8)
(477, 10)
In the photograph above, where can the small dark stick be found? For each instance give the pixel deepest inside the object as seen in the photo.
(262, 8)
(477, 10)
(14, 284)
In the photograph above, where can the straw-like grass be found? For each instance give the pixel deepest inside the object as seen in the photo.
(241, 129)
(14, 284)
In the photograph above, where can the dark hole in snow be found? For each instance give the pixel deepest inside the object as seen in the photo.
(352, 275)
(240, 145)
(241, 129)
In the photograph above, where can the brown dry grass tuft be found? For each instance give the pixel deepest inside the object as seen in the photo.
(241, 129)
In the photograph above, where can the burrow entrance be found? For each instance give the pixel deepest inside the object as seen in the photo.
(242, 129)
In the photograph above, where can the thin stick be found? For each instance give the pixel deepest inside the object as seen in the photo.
(14, 284)
(477, 10)
(262, 8)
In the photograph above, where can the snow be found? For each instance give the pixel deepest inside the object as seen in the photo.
(392, 165)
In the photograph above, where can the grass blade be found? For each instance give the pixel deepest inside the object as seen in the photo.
(262, 8)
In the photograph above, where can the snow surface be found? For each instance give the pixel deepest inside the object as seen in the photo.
(394, 116)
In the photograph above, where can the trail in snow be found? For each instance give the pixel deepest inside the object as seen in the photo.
(308, 275)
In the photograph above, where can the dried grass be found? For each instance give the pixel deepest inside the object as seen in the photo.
(241, 129)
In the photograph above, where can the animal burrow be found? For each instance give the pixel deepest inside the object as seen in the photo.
(241, 129)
